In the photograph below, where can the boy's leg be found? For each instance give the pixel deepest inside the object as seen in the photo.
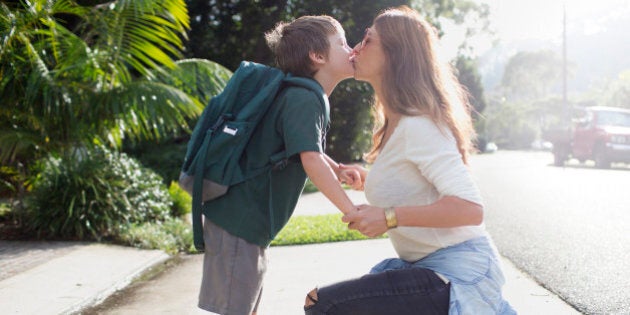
(233, 271)
(401, 292)
(255, 311)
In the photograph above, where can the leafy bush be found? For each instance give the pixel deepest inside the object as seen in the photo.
(182, 201)
(5, 210)
(172, 236)
(165, 157)
(315, 229)
(9, 181)
(94, 194)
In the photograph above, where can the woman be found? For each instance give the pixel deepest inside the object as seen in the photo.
(419, 188)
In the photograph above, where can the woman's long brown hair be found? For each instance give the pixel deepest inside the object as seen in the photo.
(415, 82)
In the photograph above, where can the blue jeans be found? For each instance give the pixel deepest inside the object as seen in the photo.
(401, 292)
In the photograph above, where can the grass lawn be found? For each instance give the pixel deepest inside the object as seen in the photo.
(316, 229)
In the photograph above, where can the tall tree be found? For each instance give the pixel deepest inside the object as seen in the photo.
(526, 105)
(468, 75)
(229, 31)
(617, 93)
(470, 14)
(531, 75)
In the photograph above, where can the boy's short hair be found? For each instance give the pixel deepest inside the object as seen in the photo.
(292, 42)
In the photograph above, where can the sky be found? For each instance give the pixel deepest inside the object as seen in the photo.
(520, 20)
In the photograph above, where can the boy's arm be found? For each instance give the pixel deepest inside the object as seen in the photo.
(317, 167)
(332, 163)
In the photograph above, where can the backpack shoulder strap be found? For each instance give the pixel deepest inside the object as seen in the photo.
(222, 104)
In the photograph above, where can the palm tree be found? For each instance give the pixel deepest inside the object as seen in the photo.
(73, 76)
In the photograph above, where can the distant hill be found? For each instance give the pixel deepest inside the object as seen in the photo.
(594, 58)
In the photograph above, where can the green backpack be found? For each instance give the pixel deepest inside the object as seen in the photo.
(224, 129)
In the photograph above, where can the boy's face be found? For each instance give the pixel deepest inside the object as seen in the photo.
(339, 65)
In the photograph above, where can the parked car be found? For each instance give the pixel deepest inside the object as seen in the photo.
(602, 135)
(491, 147)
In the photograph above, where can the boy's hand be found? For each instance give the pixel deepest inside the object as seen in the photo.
(353, 175)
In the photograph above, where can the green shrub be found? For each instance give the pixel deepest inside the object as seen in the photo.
(172, 236)
(165, 157)
(5, 210)
(182, 201)
(316, 229)
(9, 181)
(94, 194)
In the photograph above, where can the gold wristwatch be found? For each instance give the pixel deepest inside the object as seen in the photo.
(390, 218)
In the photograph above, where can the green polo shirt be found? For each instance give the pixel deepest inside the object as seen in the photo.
(257, 209)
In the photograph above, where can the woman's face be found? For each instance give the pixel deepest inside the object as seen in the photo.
(368, 57)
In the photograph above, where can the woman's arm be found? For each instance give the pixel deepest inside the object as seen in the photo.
(447, 212)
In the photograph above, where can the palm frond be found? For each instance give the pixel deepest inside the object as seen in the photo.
(199, 78)
(15, 142)
(68, 7)
(145, 35)
(145, 109)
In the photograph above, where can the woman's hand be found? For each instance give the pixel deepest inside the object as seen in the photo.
(368, 220)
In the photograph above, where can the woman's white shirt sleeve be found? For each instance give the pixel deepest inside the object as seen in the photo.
(435, 153)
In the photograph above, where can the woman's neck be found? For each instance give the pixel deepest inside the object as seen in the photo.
(391, 116)
(377, 90)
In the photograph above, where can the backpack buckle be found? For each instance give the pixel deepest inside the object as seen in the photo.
(280, 165)
(222, 119)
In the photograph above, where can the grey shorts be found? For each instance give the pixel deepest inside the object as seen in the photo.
(233, 271)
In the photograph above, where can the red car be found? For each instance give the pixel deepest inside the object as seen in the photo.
(601, 135)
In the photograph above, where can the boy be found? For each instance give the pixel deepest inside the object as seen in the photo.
(236, 236)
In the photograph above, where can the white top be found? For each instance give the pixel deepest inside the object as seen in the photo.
(419, 164)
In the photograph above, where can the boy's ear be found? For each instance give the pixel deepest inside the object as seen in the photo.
(317, 58)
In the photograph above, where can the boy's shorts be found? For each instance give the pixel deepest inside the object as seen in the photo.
(233, 271)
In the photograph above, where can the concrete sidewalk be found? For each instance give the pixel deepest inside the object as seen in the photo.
(71, 279)
(68, 279)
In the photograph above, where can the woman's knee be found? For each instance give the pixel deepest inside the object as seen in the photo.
(311, 298)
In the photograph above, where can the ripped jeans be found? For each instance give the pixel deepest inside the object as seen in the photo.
(401, 292)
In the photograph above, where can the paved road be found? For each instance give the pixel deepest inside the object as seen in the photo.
(568, 227)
